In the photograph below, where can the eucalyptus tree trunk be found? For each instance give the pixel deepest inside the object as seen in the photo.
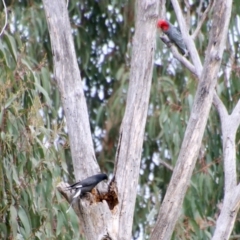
(172, 203)
(129, 149)
(112, 217)
(67, 76)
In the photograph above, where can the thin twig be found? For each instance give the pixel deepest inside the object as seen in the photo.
(203, 18)
(6, 18)
(167, 165)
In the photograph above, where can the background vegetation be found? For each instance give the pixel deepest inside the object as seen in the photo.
(34, 147)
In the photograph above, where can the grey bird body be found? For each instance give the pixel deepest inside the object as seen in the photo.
(86, 185)
(173, 34)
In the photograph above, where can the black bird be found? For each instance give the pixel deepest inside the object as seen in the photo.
(86, 185)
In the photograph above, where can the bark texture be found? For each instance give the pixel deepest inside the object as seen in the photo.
(171, 206)
(67, 75)
(108, 215)
(231, 201)
(95, 214)
(229, 124)
(129, 151)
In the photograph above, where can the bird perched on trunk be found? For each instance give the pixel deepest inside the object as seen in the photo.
(86, 185)
(173, 34)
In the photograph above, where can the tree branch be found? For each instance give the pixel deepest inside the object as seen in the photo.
(179, 56)
(165, 164)
(202, 20)
(222, 111)
(193, 51)
(171, 206)
(228, 214)
(187, 39)
(188, 14)
(67, 75)
(97, 218)
(229, 154)
(236, 114)
(184, 61)
(231, 201)
(129, 151)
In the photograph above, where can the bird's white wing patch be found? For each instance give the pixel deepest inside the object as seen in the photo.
(77, 193)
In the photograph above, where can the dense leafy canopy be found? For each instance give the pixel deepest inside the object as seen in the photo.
(34, 147)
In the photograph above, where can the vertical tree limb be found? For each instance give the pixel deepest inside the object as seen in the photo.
(229, 126)
(231, 201)
(129, 151)
(171, 206)
(67, 75)
(99, 219)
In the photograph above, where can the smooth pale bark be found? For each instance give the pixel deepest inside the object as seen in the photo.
(187, 39)
(67, 76)
(98, 220)
(172, 203)
(129, 150)
(231, 201)
(229, 124)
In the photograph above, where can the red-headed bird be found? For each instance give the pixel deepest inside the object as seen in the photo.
(173, 34)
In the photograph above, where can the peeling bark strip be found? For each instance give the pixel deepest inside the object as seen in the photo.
(171, 206)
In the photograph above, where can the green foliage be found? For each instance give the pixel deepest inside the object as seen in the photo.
(34, 146)
(32, 159)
